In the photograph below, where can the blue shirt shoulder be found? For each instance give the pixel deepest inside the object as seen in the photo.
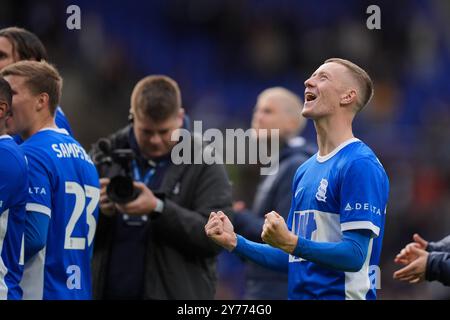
(61, 120)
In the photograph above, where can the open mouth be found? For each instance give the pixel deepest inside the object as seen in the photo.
(309, 96)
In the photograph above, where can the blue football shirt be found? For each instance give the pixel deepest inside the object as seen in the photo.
(13, 197)
(64, 185)
(345, 190)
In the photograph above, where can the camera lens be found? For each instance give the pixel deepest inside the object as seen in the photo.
(121, 189)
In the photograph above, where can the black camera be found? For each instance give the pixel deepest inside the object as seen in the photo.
(120, 189)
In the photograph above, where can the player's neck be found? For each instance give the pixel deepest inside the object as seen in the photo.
(331, 134)
(47, 122)
(3, 130)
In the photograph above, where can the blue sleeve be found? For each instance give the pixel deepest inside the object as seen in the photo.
(262, 254)
(61, 121)
(347, 255)
(38, 204)
(438, 267)
(39, 196)
(9, 173)
(36, 230)
(440, 246)
(363, 193)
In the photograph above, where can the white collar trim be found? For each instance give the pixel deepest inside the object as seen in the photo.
(5, 136)
(59, 130)
(336, 150)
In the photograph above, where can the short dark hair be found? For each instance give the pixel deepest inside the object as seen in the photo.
(157, 97)
(39, 77)
(5, 91)
(362, 78)
(25, 43)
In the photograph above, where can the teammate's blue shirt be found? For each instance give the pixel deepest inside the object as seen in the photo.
(60, 120)
(13, 196)
(64, 186)
(345, 190)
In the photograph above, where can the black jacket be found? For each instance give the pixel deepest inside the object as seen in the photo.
(180, 260)
(274, 192)
(438, 263)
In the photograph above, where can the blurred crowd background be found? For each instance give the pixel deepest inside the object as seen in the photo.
(224, 52)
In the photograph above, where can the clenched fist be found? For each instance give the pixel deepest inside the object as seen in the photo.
(276, 233)
(220, 229)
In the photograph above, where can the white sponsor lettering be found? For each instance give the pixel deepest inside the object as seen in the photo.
(37, 190)
(363, 206)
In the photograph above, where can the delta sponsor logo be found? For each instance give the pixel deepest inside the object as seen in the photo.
(37, 190)
(365, 207)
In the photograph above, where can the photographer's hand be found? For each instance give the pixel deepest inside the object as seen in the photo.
(144, 204)
(106, 206)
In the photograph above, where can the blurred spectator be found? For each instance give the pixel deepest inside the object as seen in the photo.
(276, 108)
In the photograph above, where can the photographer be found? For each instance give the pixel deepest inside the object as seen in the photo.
(154, 247)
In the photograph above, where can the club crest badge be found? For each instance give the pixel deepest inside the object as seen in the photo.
(322, 191)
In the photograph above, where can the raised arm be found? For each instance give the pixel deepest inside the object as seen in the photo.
(220, 230)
